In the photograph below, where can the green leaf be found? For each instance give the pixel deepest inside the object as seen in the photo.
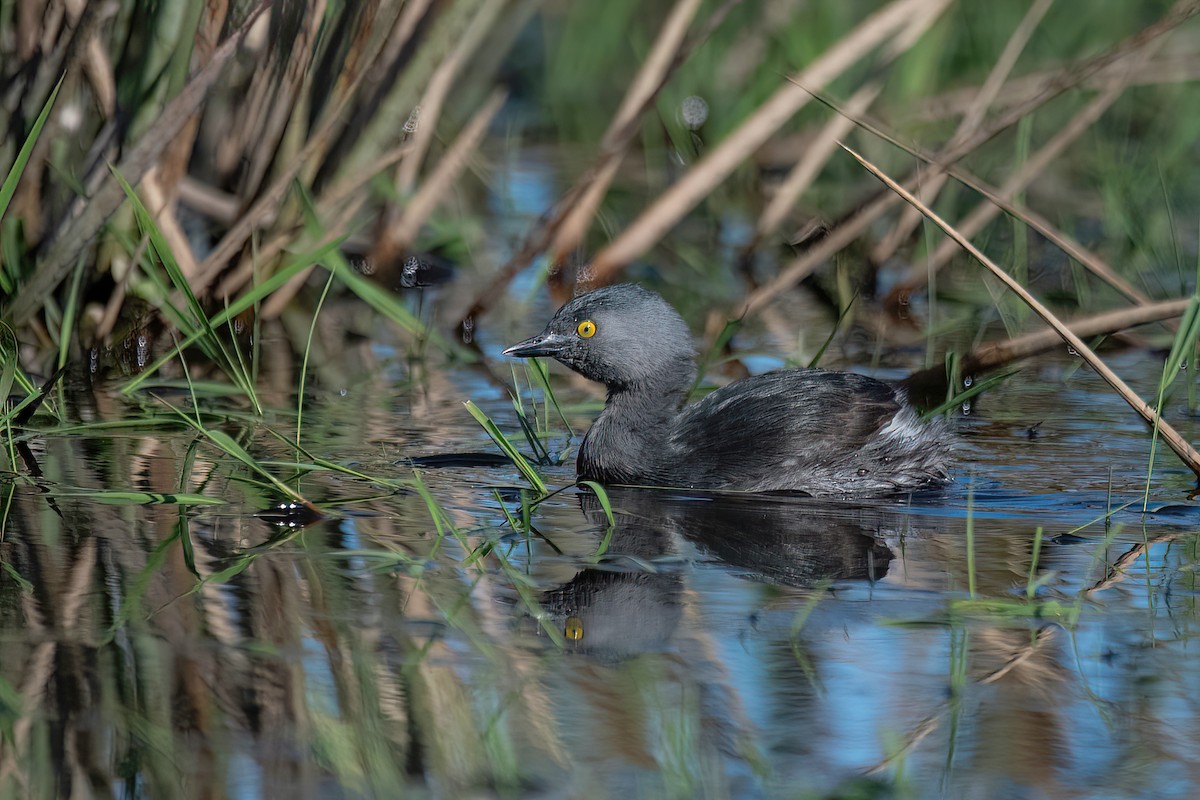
(388, 304)
(967, 394)
(255, 295)
(120, 498)
(209, 340)
(522, 464)
(9, 187)
(602, 497)
(232, 448)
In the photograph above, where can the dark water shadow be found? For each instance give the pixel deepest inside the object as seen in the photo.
(629, 603)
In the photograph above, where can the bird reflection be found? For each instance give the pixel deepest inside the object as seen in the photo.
(632, 603)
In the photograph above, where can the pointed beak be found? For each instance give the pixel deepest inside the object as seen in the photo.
(544, 344)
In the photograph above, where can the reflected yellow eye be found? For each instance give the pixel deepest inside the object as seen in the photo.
(574, 627)
(587, 329)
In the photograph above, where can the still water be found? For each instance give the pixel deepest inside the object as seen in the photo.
(1019, 635)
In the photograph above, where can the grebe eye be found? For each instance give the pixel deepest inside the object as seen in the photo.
(586, 329)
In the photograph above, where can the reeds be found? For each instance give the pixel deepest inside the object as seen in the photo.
(365, 121)
(317, 71)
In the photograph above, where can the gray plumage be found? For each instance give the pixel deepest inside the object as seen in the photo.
(805, 430)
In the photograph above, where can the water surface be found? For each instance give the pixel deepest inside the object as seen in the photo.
(701, 646)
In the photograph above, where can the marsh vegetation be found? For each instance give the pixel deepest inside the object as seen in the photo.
(276, 518)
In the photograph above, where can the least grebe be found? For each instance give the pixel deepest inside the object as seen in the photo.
(800, 430)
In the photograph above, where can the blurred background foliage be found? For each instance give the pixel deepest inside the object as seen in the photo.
(181, 174)
(253, 130)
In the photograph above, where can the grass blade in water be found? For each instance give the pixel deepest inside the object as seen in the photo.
(9, 187)
(519, 461)
(120, 498)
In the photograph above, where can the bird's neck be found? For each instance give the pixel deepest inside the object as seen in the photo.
(629, 442)
(659, 396)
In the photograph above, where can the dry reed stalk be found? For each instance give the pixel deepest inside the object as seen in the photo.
(994, 355)
(1019, 656)
(1087, 259)
(544, 231)
(254, 217)
(621, 130)
(1059, 82)
(318, 144)
(1053, 86)
(208, 201)
(404, 25)
(111, 312)
(100, 75)
(536, 242)
(816, 155)
(840, 236)
(1174, 440)
(438, 89)
(1034, 166)
(385, 254)
(1173, 68)
(64, 55)
(159, 204)
(433, 190)
(819, 151)
(334, 228)
(686, 193)
(373, 17)
(397, 95)
(1119, 570)
(338, 207)
(29, 22)
(79, 231)
(40, 667)
(173, 165)
(971, 120)
(910, 742)
(274, 97)
(368, 64)
(116, 300)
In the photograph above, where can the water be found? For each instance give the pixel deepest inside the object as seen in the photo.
(451, 638)
(700, 647)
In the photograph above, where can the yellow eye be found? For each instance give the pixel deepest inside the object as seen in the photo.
(574, 627)
(587, 329)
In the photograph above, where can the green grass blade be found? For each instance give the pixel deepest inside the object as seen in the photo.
(159, 242)
(312, 328)
(541, 454)
(974, 389)
(537, 367)
(230, 446)
(1185, 339)
(606, 504)
(1185, 336)
(837, 325)
(8, 283)
(260, 291)
(602, 498)
(70, 315)
(11, 255)
(215, 347)
(1031, 582)
(123, 498)
(9, 187)
(9, 368)
(389, 305)
(226, 442)
(732, 326)
(522, 464)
